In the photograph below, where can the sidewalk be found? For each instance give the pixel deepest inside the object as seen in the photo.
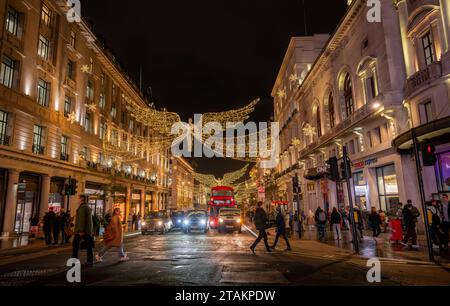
(368, 248)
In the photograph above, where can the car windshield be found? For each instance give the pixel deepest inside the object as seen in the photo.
(222, 193)
(230, 212)
(156, 215)
(178, 214)
(198, 214)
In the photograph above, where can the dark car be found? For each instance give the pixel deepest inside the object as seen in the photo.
(196, 221)
(157, 222)
(177, 219)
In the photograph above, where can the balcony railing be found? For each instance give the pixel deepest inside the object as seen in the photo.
(423, 77)
(38, 149)
(5, 140)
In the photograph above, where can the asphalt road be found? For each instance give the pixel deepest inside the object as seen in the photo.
(217, 259)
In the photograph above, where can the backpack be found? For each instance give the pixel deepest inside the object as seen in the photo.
(322, 216)
(433, 218)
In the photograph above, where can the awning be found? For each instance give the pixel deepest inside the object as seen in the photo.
(436, 132)
(316, 174)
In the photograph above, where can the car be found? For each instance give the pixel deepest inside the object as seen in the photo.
(177, 219)
(157, 222)
(230, 219)
(196, 220)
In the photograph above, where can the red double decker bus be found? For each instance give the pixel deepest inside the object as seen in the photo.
(221, 197)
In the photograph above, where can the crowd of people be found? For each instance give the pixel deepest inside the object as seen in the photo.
(58, 227)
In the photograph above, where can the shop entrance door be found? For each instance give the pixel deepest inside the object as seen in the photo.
(24, 210)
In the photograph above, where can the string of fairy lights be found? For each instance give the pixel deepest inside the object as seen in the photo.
(229, 179)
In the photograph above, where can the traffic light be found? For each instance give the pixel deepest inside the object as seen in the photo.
(429, 155)
(343, 172)
(295, 182)
(334, 169)
(67, 189)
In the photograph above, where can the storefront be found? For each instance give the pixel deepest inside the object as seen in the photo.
(96, 198)
(360, 188)
(443, 172)
(120, 200)
(28, 192)
(136, 202)
(387, 188)
(56, 195)
(148, 202)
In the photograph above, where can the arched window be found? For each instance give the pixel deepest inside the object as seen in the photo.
(348, 96)
(318, 122)
(331, 113)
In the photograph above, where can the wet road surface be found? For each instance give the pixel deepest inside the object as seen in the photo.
(218, 259)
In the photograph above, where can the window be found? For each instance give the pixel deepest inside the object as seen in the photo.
(86, 154)
(331, 113)
(426, 112)
(43, 93)
(90, 90)
(67, 106)
(348, 96)
(360, 186)
(369, 138)
(377, 136)
(102, 130)
(428, 48)
(114, 90)
(113, 111)
(102, 102)
(70, 69)
(351, 147)
(103, 81)
(131, 125)
(122, 118)
(387, 188)
(46, 15)
(371, 88)
(12, 21)
(64, 148)
(73, 39)
(318, 123)
(38, 139)
(43, 47)
(91, 65)
(88, 122)
(8, 71)
(4, 138)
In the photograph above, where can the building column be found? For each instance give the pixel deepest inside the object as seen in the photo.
(45, 193)
(142, 208)
(408, 49)
(445, 15)
(11, 201)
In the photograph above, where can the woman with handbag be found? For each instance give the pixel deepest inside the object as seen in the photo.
(113, 237)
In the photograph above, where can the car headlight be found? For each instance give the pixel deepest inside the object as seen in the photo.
(203, 222)
(160, 223)
(239, 220)
(179, 221)
(221, 220)
(186, 222)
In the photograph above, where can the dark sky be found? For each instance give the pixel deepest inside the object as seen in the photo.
(207, 55)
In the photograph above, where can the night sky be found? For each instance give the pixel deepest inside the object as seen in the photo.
(207, 55)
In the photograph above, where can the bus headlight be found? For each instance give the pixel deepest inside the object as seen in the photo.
(203, 222)
(186, 222)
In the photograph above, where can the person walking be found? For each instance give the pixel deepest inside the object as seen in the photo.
(357, 216)
(344, 216)
(336, 220)
(383, 220)
(62, 226)
(410, 215)
(288, 222)
(435, 223)
(445, 219)
(49, 220)
(134, 221)
(260, 223)
(84, 231)
(375, 223)
(321, 221)
(281, 230)
(113, 238)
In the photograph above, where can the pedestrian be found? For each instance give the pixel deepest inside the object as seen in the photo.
(107, 218)
(134, 220)
(84, 230)
(287, 221)
(261, 224)
(113, 238)
(56, 229)
(445, 219)
(62, 226)
(336, 220)
(357, 218)
(49, 220)
(321, 221)
(96, 225)
(435, 223)
(375, 223)
(383, 220)
(344, 215)
(281, 230)
(410, 215)
(70, 226)
(139, 221)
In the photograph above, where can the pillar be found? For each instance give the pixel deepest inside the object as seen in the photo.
(11, 200)
(142, 208)
(445, 15)
(408, 49)
(45, 192)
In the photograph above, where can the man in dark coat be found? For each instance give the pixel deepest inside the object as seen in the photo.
(49, 222)
(260, 223)
(410, 215)
(281, 230)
